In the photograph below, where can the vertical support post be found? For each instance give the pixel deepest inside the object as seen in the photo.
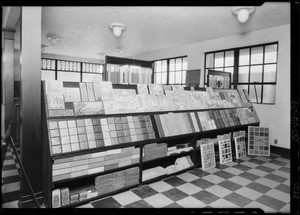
(8, 76)
(30, 101)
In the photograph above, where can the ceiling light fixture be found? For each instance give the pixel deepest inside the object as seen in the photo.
(117, 28)
(243, 13)
(54, 39)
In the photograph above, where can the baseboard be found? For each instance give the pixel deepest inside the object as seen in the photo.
(286, 153)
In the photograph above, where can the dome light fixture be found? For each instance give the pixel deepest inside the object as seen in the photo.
(54, 39)
(117, 28)
(242, 13)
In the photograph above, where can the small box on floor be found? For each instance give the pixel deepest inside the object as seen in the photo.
(56, 198)
(65, 196)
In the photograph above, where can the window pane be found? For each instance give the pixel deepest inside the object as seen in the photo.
(209, 60)
(178, 63)
(164, 65)
(183, 77)
(47, 75)
(68, 76)
(158, 78)
(271, 54)
(270, 73)
(171, 77)
(230, 69)
(244, 57)
(158, 66)
(164, 78)
(172, 65)
(229, 58)
(178, 78)
(269, 94)
(219, 59)
(184, 63)
(256, 74)
(253, 95)
(257, 55)
(243, 74)
(86, 77)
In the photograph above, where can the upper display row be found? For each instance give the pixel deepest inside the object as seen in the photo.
(99, 98)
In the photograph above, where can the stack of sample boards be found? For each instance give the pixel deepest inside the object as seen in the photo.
(92, 163)
(117, 180)
(154, 150)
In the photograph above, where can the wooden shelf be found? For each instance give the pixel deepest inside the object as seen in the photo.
(142, 113)
(144, 142)
(169, 157)
(96, 174)
(166, 176)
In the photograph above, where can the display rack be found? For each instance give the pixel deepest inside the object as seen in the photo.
(128, 71)
(219, 79)
(96, 110)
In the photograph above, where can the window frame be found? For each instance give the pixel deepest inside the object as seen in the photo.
(168, 69)
(236, 68)
(81, 72)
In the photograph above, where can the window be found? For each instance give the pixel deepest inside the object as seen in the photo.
(253, 68)
(71, 71)
(170, 71)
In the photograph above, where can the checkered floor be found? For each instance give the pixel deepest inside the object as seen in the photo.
(251, 182)
(11, 180)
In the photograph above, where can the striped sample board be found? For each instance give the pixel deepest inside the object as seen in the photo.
(208, 159)
(225, 151)
(240, 146)
(258, 141)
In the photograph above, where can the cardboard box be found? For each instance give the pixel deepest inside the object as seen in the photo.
(112, 157)
(96, 165)
(61, 166)
(65, 196)
(74, 198)
(111, 166)
(61, 177)
(61, 171)
(97, 159)
(125, 163)
(56, 198)
(80, 162)
(79, 173)
(79, 168)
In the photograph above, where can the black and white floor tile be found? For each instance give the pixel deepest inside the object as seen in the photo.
(250, 182)
(11, 180)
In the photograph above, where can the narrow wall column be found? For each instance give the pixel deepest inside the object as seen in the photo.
(8, 75)
(30, 101)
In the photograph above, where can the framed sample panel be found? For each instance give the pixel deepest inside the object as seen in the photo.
(225, 151)
(208, 159)
(240, 146)
(258, 141)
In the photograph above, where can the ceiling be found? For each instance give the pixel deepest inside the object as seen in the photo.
(85, 31)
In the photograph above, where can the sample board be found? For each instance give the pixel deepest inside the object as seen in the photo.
(240, 146)
(225, 151)
(258, 141)
(208, 159)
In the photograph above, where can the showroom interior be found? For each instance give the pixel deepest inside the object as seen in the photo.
(220, 76)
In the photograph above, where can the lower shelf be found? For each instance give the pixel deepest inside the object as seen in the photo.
(98, 197)
(167, 175)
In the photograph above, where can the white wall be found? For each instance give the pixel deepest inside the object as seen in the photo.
(276, 117)
(72, 58)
